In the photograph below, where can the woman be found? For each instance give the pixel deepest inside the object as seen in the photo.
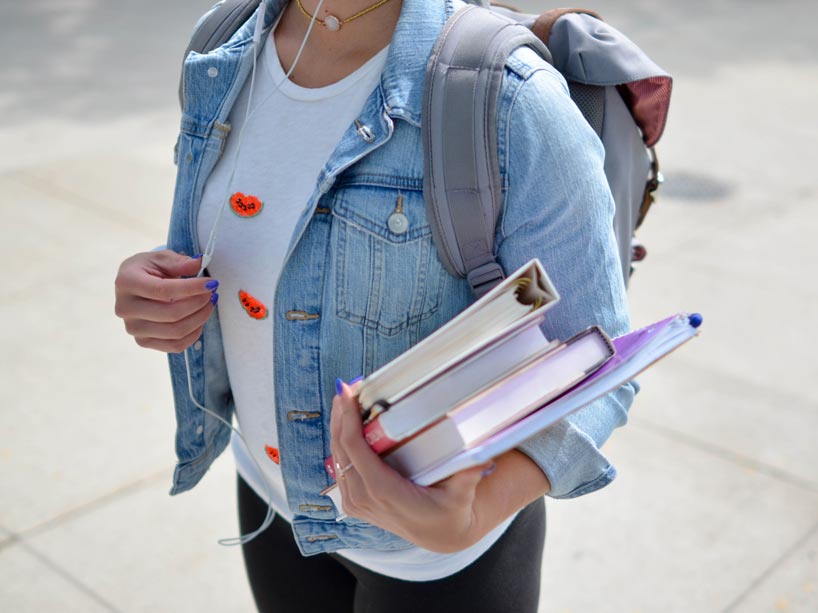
(326, 269)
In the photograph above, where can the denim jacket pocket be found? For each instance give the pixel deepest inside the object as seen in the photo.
(387, 274)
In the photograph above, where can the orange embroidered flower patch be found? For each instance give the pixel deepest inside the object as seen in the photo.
(272, 453)
(245, 205)
(255, 308)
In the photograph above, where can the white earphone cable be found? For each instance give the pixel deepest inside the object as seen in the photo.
(211, 246)
(211, 241)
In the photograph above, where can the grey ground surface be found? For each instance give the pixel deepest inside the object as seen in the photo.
(716, 504)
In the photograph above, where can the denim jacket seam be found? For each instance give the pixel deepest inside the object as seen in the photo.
(221, 117)
(397, 113)
(205, 459)
(380, 180)
(359, 223)
(507, 148)
(590, 486)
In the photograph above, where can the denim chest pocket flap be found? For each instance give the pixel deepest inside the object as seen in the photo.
(387, 274)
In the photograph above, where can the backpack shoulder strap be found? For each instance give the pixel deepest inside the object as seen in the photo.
(461, 182)
(216, 28)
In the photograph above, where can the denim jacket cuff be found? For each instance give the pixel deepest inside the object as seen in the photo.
(570, 459)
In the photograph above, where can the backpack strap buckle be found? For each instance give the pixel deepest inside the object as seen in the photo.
(485, 278)
(654, 182)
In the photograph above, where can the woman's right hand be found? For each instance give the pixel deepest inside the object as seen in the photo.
(163, 304)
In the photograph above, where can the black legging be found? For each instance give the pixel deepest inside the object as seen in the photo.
(506, 578)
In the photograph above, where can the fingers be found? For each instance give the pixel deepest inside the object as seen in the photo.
(136, 308)
(343, 474)
(174, 328)
(336, 417)
(160, 309)
(347, 435)
(357, 494)
(339, 454)
(355, 497)
(374, 492)
(173, 264)
(145, 285)
(170, 346)
(159, 276)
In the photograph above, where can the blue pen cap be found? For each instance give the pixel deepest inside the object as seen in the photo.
(695, 319)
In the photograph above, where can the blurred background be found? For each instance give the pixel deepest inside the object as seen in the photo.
(716, 503)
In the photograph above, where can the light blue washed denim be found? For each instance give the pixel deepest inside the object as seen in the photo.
(378, 292)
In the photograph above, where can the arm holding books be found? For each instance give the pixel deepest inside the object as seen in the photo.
(558, 208)
(446, 517)
(553, 212)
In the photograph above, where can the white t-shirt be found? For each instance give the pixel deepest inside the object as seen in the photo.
(271, 186)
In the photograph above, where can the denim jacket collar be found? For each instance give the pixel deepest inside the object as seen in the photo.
(403, 76)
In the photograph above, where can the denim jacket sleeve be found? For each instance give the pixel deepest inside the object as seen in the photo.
(558, 207)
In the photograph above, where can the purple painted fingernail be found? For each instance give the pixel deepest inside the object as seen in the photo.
(214, 299)
(198, 257)
(356, 379)
(339, 386)
(489, 470)
(212, 285)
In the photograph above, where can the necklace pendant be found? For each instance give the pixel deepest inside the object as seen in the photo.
(332, 23)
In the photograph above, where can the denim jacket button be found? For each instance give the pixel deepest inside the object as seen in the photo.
(200, 429)
(197, 346)
(212, 72)
(398, 223)
(366, 133)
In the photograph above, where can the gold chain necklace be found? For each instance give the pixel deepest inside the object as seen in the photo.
(333, 23)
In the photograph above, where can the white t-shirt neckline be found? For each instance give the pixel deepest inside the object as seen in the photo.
(297, 92)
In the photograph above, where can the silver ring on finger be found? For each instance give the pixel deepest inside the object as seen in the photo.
(341, 470)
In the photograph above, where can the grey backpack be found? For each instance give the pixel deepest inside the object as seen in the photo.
(622, 94)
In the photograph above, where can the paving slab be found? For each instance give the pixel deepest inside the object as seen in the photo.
(698, 36)
(6, 537)
(84, 86)
(54, 139)
(32, 583)
(739, 385)
(61, 239)
(721, 124)
(768, 249)
(753, 425)
(148, 551)
(679, 530)
(87, 412)
(129, 190)
(755, 327)
(790, 585)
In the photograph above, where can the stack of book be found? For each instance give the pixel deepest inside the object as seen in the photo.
(489, 379)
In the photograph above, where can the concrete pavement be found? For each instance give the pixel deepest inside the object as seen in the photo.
(716, 504)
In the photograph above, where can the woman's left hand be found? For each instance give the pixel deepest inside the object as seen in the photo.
(443, 517)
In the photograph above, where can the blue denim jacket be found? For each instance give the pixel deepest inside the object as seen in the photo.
(376, 292)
